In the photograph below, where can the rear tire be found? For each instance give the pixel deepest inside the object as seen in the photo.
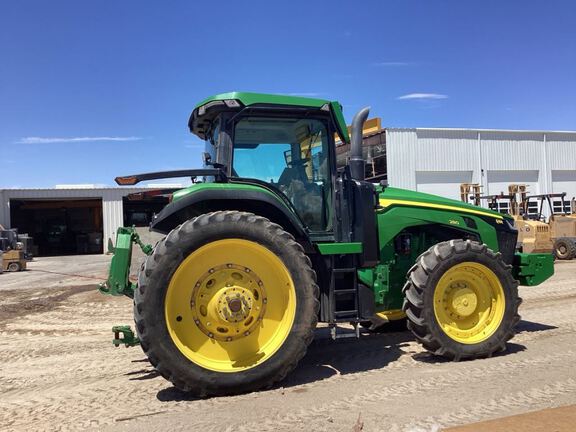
(564, 248)
(14, 267)
(226, 304)
(461, 300)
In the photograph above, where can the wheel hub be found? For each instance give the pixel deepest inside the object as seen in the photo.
(464, 301)
(234, 304)
(228, 302)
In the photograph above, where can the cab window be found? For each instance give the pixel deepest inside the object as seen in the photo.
(292, 155)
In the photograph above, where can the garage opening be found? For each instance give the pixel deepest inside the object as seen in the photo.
(139, 210)
(60, 227)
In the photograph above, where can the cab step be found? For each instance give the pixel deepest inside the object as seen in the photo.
(336, 335)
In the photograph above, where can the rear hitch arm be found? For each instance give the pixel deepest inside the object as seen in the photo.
(123, 334)
(118, 282)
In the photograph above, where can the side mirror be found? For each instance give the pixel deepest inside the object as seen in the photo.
(206, 158)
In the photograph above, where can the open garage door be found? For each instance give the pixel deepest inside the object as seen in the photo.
(60, 227)
(442, 183)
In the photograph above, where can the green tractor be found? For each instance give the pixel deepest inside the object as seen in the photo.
(272, 238)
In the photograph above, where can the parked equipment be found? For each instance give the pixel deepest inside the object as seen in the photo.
(561, 220)
(13, 260)
(533, 235)
(275, 239)
(14, 255)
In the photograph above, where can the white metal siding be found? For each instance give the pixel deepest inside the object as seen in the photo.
(401, 158)
(446, 151)
(561, 151)
(443, 183)
(498, 181)
(564, 181)
(495, 158)
(112, 213)
(4, 210)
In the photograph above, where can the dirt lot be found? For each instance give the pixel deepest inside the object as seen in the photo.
(59, 370)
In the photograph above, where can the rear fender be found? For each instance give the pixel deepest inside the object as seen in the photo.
(208, 199)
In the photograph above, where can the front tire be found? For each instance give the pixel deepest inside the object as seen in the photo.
(461, 300)
(226, 304)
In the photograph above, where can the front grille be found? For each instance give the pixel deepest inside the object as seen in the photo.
(507, 245)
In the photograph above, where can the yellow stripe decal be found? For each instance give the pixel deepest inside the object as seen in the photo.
(389, 202)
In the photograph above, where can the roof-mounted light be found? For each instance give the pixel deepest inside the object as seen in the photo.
(203, 108)
(325, 107)
(232, 103)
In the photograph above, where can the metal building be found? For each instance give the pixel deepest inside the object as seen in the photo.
(438, 160)
(74, 220)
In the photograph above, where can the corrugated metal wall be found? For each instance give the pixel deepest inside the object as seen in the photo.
(112, 206)
(4, 210)
(493, 157)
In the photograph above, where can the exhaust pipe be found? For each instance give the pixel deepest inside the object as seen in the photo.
(356, 160)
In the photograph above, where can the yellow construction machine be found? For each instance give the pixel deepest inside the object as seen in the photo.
(559, 214)
(13, 256)
(534, 236)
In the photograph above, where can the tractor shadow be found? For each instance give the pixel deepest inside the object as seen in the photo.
(327, 358)
(143, 374)
(530, 327)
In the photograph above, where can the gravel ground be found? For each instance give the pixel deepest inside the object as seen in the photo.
(59, 370)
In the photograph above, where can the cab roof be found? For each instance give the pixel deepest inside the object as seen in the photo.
(250, 99)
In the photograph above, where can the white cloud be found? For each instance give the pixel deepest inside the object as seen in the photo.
(422, 96)
(392, 63)
(50, 140)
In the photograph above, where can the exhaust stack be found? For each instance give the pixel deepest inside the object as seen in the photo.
(356, 160)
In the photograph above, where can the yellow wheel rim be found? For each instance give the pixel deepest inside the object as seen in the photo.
(230, 305)
(469, 302)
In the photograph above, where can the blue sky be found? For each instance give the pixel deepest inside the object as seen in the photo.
(91, 90)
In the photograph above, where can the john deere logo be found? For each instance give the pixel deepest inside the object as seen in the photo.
(453, 222)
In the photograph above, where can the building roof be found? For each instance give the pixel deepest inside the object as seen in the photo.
(481, 130)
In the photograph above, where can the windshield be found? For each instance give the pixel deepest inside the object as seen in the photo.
(292, 155)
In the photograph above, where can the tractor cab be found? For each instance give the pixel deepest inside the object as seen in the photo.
(285, 142)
